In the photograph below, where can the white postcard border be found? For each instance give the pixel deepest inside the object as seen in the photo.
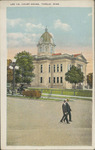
(3, 46)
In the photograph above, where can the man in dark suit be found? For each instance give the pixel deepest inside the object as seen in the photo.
(65, 112)
(69, 110)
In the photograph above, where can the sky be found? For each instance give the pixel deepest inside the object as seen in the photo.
(70, 27)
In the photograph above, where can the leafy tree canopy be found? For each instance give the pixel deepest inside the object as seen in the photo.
(74, 75)
(9, 61)
(90, 79)
(9, 71)
(25, 72)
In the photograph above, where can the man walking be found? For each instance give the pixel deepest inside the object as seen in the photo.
(65, 112)
(69, 110)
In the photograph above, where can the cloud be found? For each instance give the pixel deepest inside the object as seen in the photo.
(90, 14)
(22, 39)
(27, 25)
(64, 26)
(15, 35)
(30, 26)
(14, 22)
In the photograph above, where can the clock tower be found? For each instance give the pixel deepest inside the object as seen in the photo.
(46, 44)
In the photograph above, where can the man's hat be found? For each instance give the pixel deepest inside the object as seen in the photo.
(67, 99)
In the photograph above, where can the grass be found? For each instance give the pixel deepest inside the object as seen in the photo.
(78, 92)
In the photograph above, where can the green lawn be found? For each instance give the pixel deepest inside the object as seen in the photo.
(85, 93)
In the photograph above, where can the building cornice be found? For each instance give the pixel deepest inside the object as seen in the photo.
(56, 57)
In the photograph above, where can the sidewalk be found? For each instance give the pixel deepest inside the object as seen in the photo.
(52, 96)
(36, 123)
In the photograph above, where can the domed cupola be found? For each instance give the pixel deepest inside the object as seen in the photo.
(46, 44)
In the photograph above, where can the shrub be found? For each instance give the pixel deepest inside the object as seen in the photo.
(32, 93)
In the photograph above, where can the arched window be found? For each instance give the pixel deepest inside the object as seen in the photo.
(61, 80)
(41, 80)
(61, 69)
(49, 79)
(54, 68)
(57, 79)
(49, 68)
(57, 67)
(41, 68)
(53, 79)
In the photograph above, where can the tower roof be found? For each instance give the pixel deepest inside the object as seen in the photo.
(46, 36)
(46, 44)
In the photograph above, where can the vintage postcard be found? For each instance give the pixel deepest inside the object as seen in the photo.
(47, 75)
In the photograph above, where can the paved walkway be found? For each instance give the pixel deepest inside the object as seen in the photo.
(62, 98)
(36, 123)
(81, 97)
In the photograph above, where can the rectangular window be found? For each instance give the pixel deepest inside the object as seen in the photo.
(49, 68)
(57, 67)
(61, 68)
(54, 68)
(61, 80)
(41, 68)
(53, 79)
(41, 79)
(57, 79)
(49, 79)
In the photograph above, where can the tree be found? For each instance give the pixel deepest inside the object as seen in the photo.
(90, 79)
(74, 75)
(9, 71)
(25, 72)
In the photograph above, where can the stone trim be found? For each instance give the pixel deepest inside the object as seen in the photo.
(55, 57)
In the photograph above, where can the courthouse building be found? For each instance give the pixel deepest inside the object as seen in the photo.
(50, 67)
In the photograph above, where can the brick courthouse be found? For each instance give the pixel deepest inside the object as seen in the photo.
(50, 67)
